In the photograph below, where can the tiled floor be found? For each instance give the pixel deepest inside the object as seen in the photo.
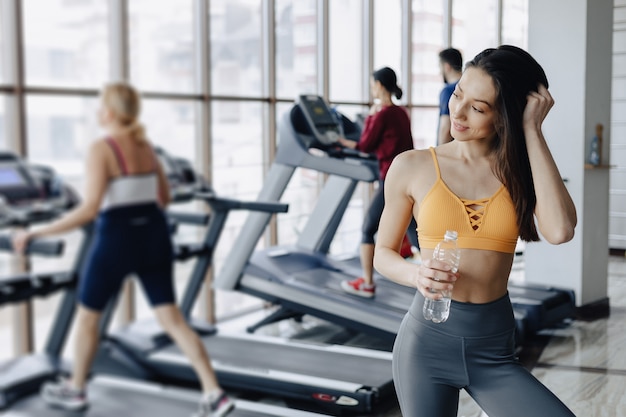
(583, 363)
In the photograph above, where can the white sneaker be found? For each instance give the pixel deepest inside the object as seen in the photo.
(61, 394)
(219, 407)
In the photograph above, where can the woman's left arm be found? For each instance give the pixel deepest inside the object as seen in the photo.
(86, 211)
(555, 210)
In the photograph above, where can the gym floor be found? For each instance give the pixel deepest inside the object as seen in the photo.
(583, 363)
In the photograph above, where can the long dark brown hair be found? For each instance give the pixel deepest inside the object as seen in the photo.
(515, 73)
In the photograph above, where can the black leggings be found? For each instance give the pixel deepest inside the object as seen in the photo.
(372, 219)
(133, 239)
(472, 350)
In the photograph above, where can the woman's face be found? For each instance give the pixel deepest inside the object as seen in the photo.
(102, 115)
(472, 107)
(375, 87)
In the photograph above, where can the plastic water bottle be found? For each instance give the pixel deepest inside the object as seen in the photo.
(594, 151)
(447, 251)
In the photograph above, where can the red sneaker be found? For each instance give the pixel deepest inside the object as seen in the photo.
(358, 287)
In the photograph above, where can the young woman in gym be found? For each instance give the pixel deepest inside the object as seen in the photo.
(386, 133)
(126, 193)
(490, 185)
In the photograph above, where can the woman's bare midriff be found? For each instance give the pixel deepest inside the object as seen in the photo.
(484, 275)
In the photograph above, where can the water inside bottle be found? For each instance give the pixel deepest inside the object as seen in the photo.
(437, 310)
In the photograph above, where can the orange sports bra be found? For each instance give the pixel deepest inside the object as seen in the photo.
(488, 224)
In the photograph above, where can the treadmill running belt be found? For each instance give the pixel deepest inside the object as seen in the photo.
(113, 397)
(109, 401)
(314, 361)
(390, 296)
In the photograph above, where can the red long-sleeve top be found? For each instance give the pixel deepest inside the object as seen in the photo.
(386, 134)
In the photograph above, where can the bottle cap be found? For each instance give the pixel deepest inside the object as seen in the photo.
(451, 234)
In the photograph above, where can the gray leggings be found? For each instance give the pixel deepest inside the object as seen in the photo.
(472, 350)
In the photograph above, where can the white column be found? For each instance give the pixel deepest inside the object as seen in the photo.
(576, 53)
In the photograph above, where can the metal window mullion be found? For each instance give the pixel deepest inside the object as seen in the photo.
(368, 68)
(120, 71)
(323, 84)
(499, 14)
(13, 34)
(447, 23)
(119, 40)
(407, 50)
(12, 24)
(204, 138)
(368, 48)
(202, 51)
(270, 131)
(323, 54)
(22, 328)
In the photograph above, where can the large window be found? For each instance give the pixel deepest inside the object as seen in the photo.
(171, 124)
(515, 23)
(428, 30)
(474, 26)
(296, 48)
(237, 146)
(66, 43)
(346, 48)
(236, 47)
(60, 131)
(388, 36)
(161, 34)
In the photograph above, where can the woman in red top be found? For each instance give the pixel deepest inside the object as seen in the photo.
(386, 133)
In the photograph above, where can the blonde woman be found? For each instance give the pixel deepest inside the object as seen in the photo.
(126, 193)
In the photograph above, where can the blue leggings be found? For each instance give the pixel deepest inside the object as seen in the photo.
(128, 240)
(472, 350)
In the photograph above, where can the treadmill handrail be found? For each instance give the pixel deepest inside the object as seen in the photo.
(46, 247)
(230, 204)
(199, 219)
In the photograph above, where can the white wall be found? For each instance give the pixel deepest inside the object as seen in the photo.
(575, 50)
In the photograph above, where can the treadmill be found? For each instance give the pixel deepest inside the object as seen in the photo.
(332, 377)
(303, 278)
(114, 396)
(31, 194)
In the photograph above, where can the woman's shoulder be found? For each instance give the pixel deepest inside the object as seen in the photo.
(413, 172)
(414, 156)
(412, 161)
(100, 145)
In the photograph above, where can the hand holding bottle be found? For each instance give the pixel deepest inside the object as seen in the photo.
(435, 276)
(447, 256)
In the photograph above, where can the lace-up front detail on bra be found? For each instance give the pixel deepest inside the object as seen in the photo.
(475, 210)
(486, 223)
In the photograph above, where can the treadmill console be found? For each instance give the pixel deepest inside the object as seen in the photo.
(31, 193)
(324, 125)
(183, 179)
(16, 182)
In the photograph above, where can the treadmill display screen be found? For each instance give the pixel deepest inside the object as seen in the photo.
(318, 111)
(11, 177)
